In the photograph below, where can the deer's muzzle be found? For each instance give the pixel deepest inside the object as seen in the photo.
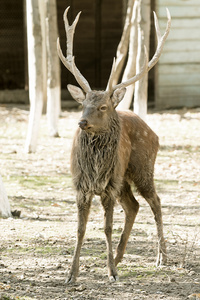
(83, 124)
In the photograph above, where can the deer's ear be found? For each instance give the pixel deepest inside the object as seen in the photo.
(76, 93)
(118, 95)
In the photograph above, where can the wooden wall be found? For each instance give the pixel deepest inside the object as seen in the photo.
(178, 71)
(96, 38)
(12, 45)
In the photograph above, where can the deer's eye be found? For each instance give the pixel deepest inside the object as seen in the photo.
(103, 108)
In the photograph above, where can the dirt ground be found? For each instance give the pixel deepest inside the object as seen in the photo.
(36, 249)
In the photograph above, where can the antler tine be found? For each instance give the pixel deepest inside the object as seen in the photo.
(157, 27)
(70, 30)
(147, 66)
(62, 57)
(161, 39)
(68, 61)
(65, 17)
(109, 85)
(79, 78)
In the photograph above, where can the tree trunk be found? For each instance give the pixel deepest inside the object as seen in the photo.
(140, 98)
(42, 11)
(122, 48)
(4, 202)
(130, 69)
(35, 71)
(53, 69)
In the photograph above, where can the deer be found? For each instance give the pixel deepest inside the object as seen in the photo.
(112, 150)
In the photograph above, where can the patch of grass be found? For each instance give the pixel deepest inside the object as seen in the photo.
(103, 256)
(117, 231)
(47, 250)
(38, 250)
(127, 273)
(18, 250)
(143, 272)
(36, 182)
(85, 251)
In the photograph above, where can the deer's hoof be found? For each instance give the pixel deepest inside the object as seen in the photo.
(113, 278)
(70, 279)
(161, 260)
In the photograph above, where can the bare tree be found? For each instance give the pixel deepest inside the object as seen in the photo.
(137, 34)
(35, 72)
(42, 11)
(130, 69)
(4, 202)
(134, 37)
(44, 69)
(141, 86)
(53, 68)
(122, 48)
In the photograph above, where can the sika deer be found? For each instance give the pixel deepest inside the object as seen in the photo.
(111, 150)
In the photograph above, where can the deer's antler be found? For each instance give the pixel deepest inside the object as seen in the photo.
(68, 61)
(147, 66)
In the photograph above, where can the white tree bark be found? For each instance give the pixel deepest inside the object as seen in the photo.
(42, 11)
(141, 86)
(122, 48)
(53, 69)
(4, 202)
(35, 71)
(130, 69)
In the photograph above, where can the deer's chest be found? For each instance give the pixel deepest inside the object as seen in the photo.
(95, 165)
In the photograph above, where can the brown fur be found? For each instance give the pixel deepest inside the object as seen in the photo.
(113, 150)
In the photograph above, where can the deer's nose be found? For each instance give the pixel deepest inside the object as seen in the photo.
(83, 124)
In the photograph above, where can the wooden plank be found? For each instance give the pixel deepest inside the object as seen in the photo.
(184, 34)
(176, 101)
(181, 57)
(183, 79)
(180, 23)
(180, 91)
(179, 12)
(167, 3)
(178, 69)
(182, 46)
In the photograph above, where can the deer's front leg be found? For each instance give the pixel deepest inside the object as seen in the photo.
(83, 205)
(108, 205)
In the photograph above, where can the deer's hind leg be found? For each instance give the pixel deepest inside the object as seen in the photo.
(154, 202)
(130, 207)
(149, 193)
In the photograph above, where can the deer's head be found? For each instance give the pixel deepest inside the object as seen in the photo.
(98, 107)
